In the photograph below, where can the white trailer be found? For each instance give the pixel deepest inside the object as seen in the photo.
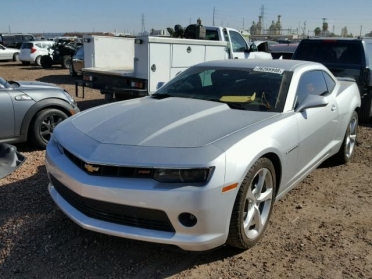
(113, 68)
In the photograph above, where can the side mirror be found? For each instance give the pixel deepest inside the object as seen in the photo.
(160, 84)
(312, 101)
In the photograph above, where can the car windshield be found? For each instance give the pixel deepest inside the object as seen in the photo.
(263, 89)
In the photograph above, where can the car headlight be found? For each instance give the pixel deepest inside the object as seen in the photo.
(59, 146)
(197, 175)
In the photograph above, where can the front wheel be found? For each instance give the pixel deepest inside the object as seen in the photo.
(43, 125)
(46, 61)
(253, 205)
(348, 145)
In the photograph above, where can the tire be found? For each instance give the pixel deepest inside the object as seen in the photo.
(25, 63)
(253, 205)
(348, 145)
(43, 125)
(46, 61)
(38, 60)
(16, 56)
(66, 61)
(72, 71)
(366, 108)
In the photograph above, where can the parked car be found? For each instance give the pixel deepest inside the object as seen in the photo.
(7, 53)
(344, 57)
(30, 110)
(77, 62)
(15, 40)
(283, 51)
(31, 52)
(201, 162)
(60, 53)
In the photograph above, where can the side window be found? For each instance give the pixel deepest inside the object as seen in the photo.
(312, 83)
(18, 38)
(238, 42)
(28, 38)
(369, 54)
(329, 81)
(38, 45)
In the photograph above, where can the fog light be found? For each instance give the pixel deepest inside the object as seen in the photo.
(187, 219)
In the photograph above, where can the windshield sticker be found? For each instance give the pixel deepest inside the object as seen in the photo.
(268, 70)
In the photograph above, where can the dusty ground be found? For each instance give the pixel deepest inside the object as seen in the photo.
(322, 229)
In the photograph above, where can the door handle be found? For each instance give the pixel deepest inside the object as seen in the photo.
(333, 108)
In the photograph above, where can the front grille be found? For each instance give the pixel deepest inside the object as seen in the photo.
(115, 213)
(106, 170)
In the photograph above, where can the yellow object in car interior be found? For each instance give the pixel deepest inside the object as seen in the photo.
(238, 99)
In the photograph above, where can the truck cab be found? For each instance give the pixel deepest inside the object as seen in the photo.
(238, 47)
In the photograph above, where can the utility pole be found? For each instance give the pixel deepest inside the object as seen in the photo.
(143, 24)
(262, 14)
(214, 10)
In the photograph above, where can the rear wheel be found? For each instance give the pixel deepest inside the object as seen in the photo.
(16, 56)
(43, 125)
(38, 60)
(72, 71)
(253, 205)
(366, 107)
(66, 61)
(348, 145)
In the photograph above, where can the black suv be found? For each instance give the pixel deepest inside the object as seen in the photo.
(15, 40)
(344, 57)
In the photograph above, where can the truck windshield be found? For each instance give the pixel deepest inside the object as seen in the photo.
(248, 89)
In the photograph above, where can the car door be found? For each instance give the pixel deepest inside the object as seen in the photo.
(239, 47)
(6, 114)
(317, 126)
(3, 53)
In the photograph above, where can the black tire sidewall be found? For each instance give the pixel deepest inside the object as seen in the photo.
(241, 240)
(36, 124)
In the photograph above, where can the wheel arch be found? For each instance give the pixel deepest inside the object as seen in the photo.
(39, 106)
(274, 158)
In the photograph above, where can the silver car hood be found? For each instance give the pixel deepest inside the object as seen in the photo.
(170, 122)
(35, 84)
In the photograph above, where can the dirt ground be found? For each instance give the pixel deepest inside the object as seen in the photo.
(321, 229)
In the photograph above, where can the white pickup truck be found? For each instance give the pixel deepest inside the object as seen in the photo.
(133, 67)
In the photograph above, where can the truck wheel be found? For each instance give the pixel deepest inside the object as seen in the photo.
(253, 205)
(42, 127)
(46, 61)
(366, 108)
(66, 61)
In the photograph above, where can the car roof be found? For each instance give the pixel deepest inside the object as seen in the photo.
(285, 64)
(338, 38)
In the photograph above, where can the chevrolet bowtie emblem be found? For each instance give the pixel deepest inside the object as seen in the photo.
(91, 168)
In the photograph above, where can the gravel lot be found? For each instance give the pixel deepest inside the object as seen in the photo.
(321, 229)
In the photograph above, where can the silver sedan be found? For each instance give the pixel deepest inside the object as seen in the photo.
(201, 162)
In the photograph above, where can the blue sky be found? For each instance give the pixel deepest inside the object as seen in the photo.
(51, 16)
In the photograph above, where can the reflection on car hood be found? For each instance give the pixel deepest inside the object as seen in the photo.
(36, 84)
(170, 122)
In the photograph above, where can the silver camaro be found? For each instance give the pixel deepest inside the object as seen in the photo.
(201, 162)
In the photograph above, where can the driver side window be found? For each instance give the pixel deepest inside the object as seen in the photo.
(311, 82)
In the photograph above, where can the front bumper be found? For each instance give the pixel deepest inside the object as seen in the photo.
(211, 207)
